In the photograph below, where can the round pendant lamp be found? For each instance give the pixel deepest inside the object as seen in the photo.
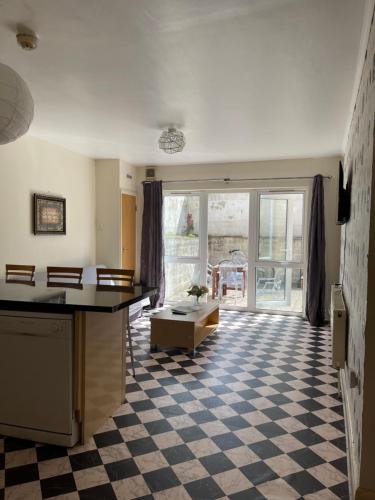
(172, 141)
(16, 105)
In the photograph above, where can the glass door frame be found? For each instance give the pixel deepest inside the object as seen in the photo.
(201, 258)
(253, 246)
(254, 223)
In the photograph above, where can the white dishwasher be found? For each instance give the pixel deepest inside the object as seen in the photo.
(36, 372)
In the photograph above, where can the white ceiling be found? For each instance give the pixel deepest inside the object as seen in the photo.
(244, 79)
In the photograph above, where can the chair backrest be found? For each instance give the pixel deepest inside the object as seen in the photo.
(60, 276)
(238, 257)
(124, 276)
(17, 273)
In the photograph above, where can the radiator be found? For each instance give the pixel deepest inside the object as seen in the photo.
(338, 327)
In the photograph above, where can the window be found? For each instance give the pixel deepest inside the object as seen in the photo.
(181, 244)
(247, 246)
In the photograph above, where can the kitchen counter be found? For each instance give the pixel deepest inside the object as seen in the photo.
(62, 359)
(43, 298)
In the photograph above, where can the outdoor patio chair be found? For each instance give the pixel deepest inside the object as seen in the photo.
(266, 283)
(232, 276)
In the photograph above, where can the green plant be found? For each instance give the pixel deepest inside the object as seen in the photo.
(197, 291)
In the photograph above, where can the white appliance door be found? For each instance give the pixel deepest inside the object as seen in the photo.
(36, 373)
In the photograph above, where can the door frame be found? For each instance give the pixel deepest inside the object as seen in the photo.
(275, 263)
(253, 260)
(202, 251)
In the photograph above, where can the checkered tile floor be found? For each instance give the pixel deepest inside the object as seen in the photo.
(254, 415)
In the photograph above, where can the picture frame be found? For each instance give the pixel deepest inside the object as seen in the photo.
(49, 214)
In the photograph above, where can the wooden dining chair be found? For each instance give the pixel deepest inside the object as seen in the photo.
(126, 279)
(64, 276)
(17, 273)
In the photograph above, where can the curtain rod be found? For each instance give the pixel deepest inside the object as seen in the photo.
(228, 179)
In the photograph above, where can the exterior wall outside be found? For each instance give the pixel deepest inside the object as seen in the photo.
(29, 166)
(228, 216)
(357, 257)
(220, 246)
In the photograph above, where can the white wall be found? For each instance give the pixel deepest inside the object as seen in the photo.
(108, 213)
(128, 177)
(270, 170)
(112, 178)
(30, 166)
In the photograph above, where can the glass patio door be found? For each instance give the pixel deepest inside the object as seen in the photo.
(279, 266)
(181, 244)
(228, 242)
(247, 246)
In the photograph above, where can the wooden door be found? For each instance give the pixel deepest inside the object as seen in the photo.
(128, 225)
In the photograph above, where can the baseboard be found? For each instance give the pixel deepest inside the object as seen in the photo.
(353, 465)
(42, 436)
(363, 494)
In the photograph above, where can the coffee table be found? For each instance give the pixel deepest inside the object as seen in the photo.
(186, 331)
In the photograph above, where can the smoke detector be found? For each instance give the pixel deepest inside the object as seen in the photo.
(28, 41)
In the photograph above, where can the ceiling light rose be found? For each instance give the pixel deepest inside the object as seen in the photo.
(27, 41)
(172, 141)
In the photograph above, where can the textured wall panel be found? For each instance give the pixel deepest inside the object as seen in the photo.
(358, 164)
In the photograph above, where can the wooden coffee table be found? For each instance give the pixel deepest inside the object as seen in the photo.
(186, 331)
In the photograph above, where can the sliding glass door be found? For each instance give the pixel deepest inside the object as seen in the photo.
(247, 246)
(280, 248)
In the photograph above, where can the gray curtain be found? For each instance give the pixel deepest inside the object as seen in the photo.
(152, 247)
(316, 274)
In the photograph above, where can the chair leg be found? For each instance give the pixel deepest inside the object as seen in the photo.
(131, 347)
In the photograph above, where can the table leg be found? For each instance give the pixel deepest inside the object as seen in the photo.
(215, 283)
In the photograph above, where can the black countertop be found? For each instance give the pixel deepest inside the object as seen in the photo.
(41, 298)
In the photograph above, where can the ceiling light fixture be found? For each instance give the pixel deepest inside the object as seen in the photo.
(16, 105)
(172, 141)
(16, 101)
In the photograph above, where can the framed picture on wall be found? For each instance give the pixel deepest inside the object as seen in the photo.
(49, 215)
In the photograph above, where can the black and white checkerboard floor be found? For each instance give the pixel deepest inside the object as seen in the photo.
(254, 415)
